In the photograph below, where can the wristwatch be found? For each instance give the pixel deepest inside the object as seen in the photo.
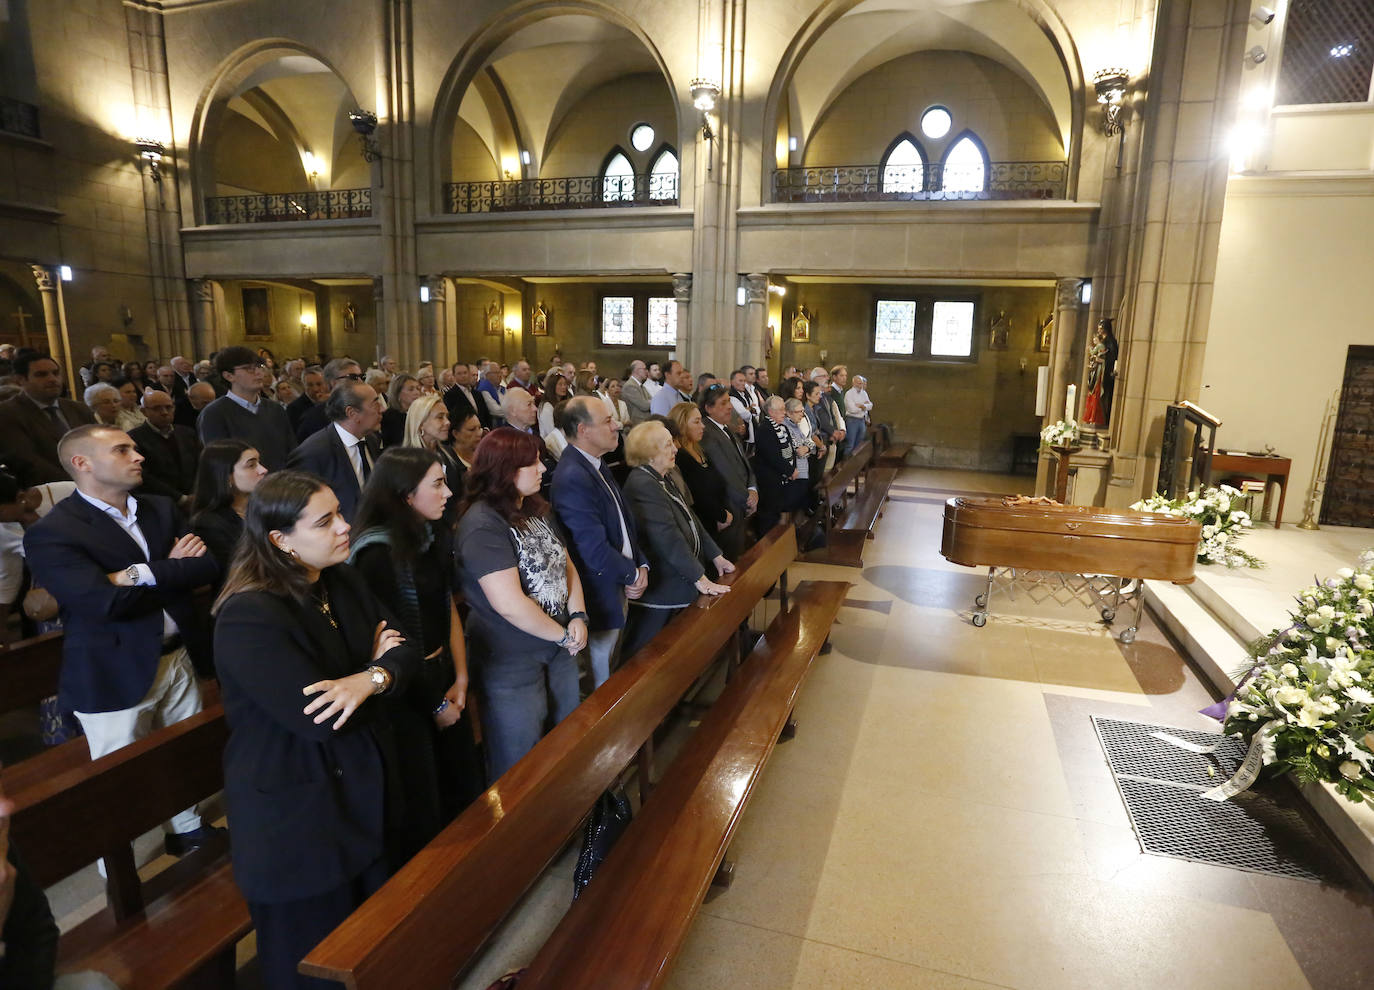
(381, 679)
(131, 572)
(579, 615)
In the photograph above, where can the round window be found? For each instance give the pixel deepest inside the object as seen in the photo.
(935, 122)
(642, 137)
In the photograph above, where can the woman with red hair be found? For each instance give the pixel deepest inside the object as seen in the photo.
(528, 618)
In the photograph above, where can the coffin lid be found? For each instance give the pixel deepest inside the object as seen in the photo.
(1078, 520)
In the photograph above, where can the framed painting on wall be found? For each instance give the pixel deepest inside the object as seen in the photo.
(539, 321)
(801, 326)
(257, 312)
(495, 321)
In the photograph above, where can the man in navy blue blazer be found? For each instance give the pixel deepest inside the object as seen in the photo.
(344, 452)
(601, 530)
(123, 569)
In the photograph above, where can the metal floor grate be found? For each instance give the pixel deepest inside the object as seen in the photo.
(1162, 784)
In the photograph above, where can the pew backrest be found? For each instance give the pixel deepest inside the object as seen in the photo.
(428, 921)
(29, 669)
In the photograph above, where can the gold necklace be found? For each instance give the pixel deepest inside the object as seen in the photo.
(325, 610)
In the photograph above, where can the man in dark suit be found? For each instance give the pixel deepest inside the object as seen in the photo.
(183, 376)
(601, 530)
(188, 407)
(344, 452)
(723, 451)
(461, 401)
(34, 421)
(336, 372)
(123, 569)
(171, 453)
(316, 391)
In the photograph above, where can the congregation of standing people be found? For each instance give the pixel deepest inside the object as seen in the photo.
(304, 535)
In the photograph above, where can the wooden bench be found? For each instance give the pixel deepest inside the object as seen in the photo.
(429, 920)
(183, 922)
(867, 507)
(835, 494)
(626, 929)
(885, 451)
(29, 670)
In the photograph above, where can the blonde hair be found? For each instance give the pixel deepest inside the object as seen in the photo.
(417, 414)
(679, 414)
(641, 443)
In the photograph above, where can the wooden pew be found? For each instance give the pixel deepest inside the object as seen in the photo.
(156, 934)
(429, 920)
(867, 507)
(28, 671)
(835, 495)
(625, 930)
(884, 450)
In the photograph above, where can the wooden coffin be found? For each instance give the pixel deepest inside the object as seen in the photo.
(1077, 539)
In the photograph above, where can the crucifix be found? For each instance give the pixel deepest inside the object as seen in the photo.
(21, 324)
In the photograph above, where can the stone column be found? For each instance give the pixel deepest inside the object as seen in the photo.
(202, 293)
(394, 186)
(682, 294)
(433, 346)
(753, 343)
(379, 318)
(1065, 344)
(47, 292)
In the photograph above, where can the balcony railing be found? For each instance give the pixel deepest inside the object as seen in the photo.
(913, 183)
(19, 118)
(324, 204)
(582, 192)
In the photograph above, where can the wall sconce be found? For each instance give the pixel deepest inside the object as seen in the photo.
(150, 154)
(365, 123)
(307, 324)
(1256, 56)
(1110, 85)
(311, 165)
(704, 96)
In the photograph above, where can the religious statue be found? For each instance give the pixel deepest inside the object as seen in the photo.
(350, 317)
(1045, 332)
(1097, 409)
(999, 333)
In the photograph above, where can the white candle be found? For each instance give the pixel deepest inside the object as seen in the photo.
(1070, 410)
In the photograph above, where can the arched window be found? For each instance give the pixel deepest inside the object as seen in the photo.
(965, 168)
(618, 179)
(904, 167)
(663, 176)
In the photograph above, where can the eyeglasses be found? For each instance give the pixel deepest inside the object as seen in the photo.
(714, 390)
(357, 376)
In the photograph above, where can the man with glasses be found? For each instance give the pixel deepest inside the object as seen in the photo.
(336, 372)
(241, 413)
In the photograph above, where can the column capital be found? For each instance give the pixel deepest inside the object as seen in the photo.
(756, 288)
(45, 277)
(1067, 293)
(437, 286)
(682, 287)
(202, 289)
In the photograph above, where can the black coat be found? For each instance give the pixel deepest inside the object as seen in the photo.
(708, 490)
(773, 466)
(393, 428)
(169, 463)
(220, 530)
(677, 555)
(297, 408)
(323, 453)
(459, 408)
(307, 804)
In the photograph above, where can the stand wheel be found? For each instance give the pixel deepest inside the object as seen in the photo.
(980, 619)
(981, 600)
(1109, 615)
(1128, 636)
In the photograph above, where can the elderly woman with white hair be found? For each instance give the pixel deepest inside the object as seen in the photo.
(102, 398)
(857, 407)
(679, 549)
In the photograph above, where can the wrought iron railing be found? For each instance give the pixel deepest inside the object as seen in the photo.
(324, 204)
(899, 183)
(581, 192)
(17, 117)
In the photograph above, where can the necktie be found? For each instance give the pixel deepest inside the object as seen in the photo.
(364, 461)
(56, 419)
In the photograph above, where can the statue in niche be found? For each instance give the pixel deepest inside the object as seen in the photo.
(350, 317)
(1045, 332)
(1097, 408)
(999, 334)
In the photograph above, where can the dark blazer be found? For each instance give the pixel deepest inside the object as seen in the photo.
(709, 501)
(220, 530)
(113, 636)
(723, 451)
(311, 422)
(185, 414)
(323, 453)
(297, 408)
(587, 511)
(169, 463)
(773, 465)
(393, 428)
(306, 803)
(459, 408)
(28, 438)
(670, 534)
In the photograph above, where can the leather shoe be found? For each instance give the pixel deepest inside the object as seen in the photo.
(180, 843)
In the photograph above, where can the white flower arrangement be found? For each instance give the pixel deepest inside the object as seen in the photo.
(1308, 697)
(1223, 523)
(1061, 434)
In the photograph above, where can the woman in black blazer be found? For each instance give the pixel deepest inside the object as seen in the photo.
(781, 492)
(301, 646)
(679, 549)
(229, 470)
(709, 500)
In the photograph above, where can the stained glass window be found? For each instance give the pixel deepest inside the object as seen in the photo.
(618, 181)
(641, 137)
(951, 329)
(662, 321)
(965, 168)
(617, 320)
(663, 176)
(904, 170)
(895, 332)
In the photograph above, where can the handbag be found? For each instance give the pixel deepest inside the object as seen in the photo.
(607, 821)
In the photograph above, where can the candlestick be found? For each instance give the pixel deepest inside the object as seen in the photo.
(1070, 409)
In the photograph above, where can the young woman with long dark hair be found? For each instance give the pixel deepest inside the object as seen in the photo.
(301, 647)
(229, 471)
(404, 550)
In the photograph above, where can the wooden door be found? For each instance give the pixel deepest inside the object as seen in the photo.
(1349, 497)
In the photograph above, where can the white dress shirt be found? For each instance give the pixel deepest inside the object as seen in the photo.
(128, 521)
(357, 450)
(625, 548)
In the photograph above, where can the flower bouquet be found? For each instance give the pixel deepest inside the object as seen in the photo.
(1306, 706)
(1223, 522)
(1061, 434)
